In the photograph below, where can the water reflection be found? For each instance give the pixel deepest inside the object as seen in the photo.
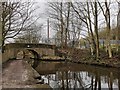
(82, 76)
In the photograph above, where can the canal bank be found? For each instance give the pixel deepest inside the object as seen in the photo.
(115, 63)
(85, 58)
(19, 74)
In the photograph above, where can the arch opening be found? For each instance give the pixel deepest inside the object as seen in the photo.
(36, 55)
(29, 55)
(35, 60)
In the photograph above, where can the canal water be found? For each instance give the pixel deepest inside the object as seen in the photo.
(64, 76)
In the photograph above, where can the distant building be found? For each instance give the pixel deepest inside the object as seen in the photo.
(85, 44)
(102, 41)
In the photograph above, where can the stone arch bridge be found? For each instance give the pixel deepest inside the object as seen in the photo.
(11, 50)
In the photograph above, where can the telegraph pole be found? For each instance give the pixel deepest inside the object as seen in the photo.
(48, 30)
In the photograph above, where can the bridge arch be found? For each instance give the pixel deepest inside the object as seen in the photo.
(35, 53)
(29, 55)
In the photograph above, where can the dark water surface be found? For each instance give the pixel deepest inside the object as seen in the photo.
(79, 76)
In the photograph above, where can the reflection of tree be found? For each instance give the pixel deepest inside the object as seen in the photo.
(66, 80)
(92, 83)
(73, 78)
(63, 80)
(119, 80)
(96, 79)
(99, 82)
(110, 81)
(79, 79)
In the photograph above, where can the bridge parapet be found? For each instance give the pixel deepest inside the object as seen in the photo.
(12, 49)
(28, 45)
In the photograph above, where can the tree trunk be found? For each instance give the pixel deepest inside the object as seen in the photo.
(118, 28)
(96, 30)
(67, 26)
(3, 27)
(106, 14)
(92, 35)
(107, 17)
(61, 17)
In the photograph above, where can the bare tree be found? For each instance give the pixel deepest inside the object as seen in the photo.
(118, 27)
(56, 15)
(90, 31)
(96, 29)
(85, 17)
(15, 17)
(30, 35)
(62, 17)
(0, 24)
(106, 13)
(61, 22)
(88, 13)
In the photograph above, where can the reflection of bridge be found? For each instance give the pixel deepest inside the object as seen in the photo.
(13, 49)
